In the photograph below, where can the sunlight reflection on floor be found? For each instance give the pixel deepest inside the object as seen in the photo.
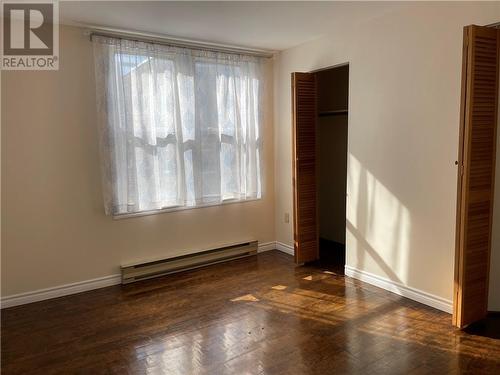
(246, 297)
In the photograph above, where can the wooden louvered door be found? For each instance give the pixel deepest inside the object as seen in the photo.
(476, 173)
(304, 112)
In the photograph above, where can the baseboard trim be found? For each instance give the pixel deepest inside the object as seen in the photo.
(276, 245)
(101, 282)
(59, 291)
(400, 289)
(284, 248)
(266, 246)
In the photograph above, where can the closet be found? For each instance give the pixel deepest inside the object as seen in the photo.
(320, 115)
(332, 87)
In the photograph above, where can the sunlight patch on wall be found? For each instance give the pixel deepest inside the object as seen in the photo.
(378, 225)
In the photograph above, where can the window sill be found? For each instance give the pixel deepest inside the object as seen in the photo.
(181, 208)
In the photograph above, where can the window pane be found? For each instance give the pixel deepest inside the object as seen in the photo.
(206, 99)
(189, 178)
(226, 100)
(163, 95)
(186, 105)
(255, 108)
(141, 102)
(208, 127)
(211, 179)
(146, 165)
(127, 62)
(242, 86)
(229, 171)
(167, 161)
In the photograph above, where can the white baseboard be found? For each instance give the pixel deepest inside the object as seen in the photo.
(400, 289)
(276, 245)
(59, 291)
(284, 248)
(84, 286)
(266, 246)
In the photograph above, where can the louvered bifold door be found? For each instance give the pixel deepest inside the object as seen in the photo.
(304, 167)
(476, 173)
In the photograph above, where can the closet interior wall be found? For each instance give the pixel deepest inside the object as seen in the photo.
(332, 99)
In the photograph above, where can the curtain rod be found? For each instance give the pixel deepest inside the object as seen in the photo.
(175, 42)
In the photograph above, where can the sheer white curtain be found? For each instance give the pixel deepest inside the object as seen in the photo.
(178, 127)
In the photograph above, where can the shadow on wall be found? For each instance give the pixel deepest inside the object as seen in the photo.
(378, 226)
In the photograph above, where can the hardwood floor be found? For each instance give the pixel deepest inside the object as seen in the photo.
(259, 315)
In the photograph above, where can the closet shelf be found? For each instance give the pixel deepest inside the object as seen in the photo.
(333, 113)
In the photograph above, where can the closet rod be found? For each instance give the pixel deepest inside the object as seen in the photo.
(333, 113)
(175, 42)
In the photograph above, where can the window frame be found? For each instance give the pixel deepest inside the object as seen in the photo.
(224, 202)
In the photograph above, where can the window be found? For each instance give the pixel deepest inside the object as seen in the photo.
(179, 128)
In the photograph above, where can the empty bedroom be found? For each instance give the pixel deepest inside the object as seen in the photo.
(250, 187)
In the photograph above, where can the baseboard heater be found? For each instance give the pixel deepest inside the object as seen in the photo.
(148, 270)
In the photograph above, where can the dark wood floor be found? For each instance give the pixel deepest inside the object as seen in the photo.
(259, 315)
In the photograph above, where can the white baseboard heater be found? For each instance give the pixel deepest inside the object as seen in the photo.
(148, 270)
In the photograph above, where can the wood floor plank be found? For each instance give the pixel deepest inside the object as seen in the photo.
(259, 315)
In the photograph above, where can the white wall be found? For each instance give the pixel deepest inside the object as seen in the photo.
(403, 137)
(54, 230)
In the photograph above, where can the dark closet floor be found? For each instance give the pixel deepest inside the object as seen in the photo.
(331, 256)
(488, 327)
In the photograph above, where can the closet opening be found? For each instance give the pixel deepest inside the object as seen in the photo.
(332, 92)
